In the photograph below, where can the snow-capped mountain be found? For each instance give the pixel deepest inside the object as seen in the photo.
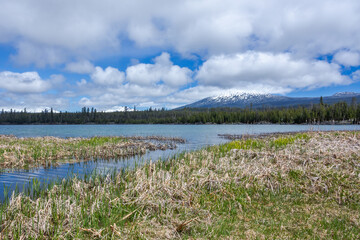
(257, 100)
(241, 99)
(345, 94)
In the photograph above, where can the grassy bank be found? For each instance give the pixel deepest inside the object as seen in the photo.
(295, 186)
(20, 153)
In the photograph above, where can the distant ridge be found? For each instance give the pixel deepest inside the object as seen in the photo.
(257, 100)
(346, 94)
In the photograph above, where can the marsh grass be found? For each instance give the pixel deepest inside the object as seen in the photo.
(300, 186)
(23, 153)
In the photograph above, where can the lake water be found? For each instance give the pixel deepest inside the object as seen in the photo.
(196, 136)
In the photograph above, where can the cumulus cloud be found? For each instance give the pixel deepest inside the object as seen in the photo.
(286, 39)
(356, 75)
(84, 28)
(84, 101)
(81, 83)
(27, 82)
(163, 82)
(34, 102)
(143, 83)
(126, 95)
(56, 80)
(109, 76)
(347, 58)
(119, 109)
(145, 33)
(81, 67)
(279, 73)
(163, 70)
(28, 90)
(37, 54)
(49, 33)
(192, 94)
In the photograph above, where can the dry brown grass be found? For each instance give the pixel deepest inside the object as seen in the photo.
(48, 151)
(303, 186)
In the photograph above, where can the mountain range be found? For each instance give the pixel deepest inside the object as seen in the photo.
(256, 100)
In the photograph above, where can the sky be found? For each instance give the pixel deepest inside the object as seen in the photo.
(166, 53)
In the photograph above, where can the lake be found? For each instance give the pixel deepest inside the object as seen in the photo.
(196, 136)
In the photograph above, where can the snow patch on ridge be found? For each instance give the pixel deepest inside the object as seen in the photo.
(343, 94)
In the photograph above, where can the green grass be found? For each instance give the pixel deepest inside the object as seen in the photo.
(24, 153)
(259, 144)
(214, 193)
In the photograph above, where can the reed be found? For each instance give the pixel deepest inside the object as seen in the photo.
(20, 153)
(285, 187)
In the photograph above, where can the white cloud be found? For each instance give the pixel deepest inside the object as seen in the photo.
(108, 77)
(81, 67)
(40, 55)
(56, 80)
(31, 109)
(51, 33)
(163, 70)
(81, 83)
(145, 33)
(347, 58)
(126, 95)
(119, 109)
(276, 73)
(134, 90)
(84, 101)
(261, 72)
(219, 32)
(69, 94)
(28, 90)
(143, 83)
(192, 94)
(356, 75)
(33, 102)
(27, 82)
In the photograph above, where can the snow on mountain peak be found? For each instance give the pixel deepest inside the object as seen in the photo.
(260, 100)
(236, 96)
(342, 94)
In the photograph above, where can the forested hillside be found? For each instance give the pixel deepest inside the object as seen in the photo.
(318, 113)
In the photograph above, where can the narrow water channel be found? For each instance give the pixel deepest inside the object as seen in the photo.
(196, 136)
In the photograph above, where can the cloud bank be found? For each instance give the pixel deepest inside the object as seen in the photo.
(277, 71)
(50, 33)
(273, 46)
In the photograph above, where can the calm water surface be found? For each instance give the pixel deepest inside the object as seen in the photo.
(196, 136)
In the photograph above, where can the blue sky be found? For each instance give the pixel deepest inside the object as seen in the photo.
(109, 54)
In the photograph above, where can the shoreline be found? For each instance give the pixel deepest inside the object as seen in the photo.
(239, 123)
(303, 185)
(233, 137)
(30, 152)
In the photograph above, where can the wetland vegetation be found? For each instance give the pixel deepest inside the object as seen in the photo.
(304, 185)
(20, 153)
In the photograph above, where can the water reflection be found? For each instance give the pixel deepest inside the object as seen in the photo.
(196, 136)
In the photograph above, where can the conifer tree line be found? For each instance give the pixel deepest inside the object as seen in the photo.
(340, 112)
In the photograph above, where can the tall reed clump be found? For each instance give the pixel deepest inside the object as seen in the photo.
(298, 186)
(46, 151)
